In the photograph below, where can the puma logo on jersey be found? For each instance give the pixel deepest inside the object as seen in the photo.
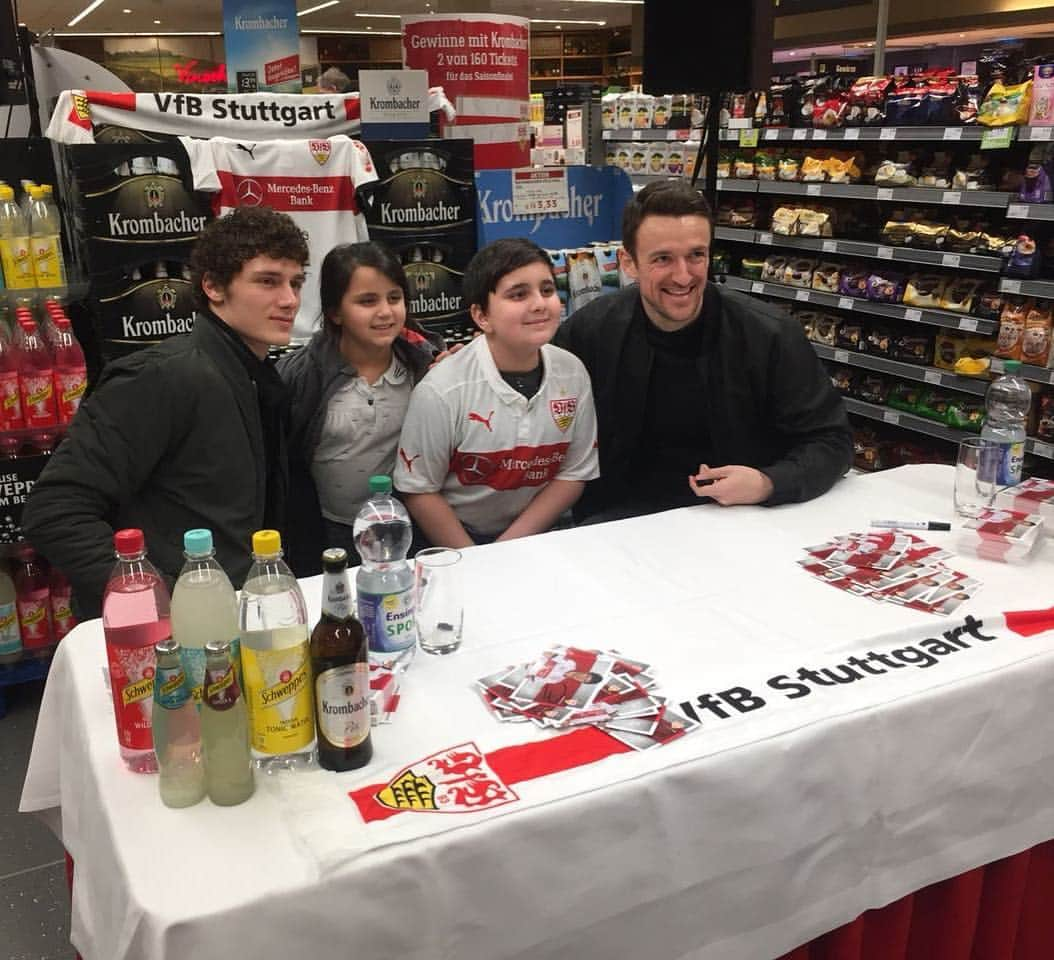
(409, 461)
(248, 150)
(479, 418)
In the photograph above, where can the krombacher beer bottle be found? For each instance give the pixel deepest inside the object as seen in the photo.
(342, 674)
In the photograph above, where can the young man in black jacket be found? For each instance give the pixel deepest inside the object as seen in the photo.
(700, 392)
(188, 433)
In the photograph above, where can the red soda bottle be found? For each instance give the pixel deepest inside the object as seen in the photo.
(135, 617)
(62, 619)
(70, 371)
(10, 393)
(38, 388)
(32, 597)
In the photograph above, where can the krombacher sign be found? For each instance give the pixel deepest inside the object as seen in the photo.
(148, 209)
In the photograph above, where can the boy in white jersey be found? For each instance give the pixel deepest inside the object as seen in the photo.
(500, 439)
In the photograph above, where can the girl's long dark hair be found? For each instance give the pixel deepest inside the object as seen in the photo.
(339, 267)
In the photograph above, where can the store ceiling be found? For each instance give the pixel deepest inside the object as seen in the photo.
(192, 15)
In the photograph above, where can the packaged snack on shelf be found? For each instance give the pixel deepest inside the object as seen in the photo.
(611, 154)
(997, 533)
(781, 99)
(812, 169)
(1005, 106)
(743, 167)
(675, 161)
(644, 110)
(896, 231)
(935, 171)
(893, 173)
(825, 277)
(933, 405)
(740, 106)
(752, 268)
(609, 111)
(1034, 496)
(925, 290)
(928, 235)
(962, 236)
(905, 396)
(725, 159)
(975, 174)
(960, 293)
(798, 272)
(912, 348)
(871, 388)
(1041, 111)
(1035, 341)
(720, 264)
(622, 154)
(885, 287)
(789, 167)
(842, 168)
(691, 152)
(607, 262)
(661, 112)
(774, 269)
(853, 282)
(849, 334)
(657, 154)
(1012, 329)
(638, 159)
(765, 165)
(1035, 185)
(806, 103)
(830, 105)
(869, 452)
(807, 319)
(867, 102)
(842, 379)
(1045, 420)
(825, 329)
(785, 221)
(814, 223)
(1025, 260)
(879, 341)
(965, 413)
(627, 109)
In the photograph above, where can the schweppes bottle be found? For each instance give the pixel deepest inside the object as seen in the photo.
(276, 666)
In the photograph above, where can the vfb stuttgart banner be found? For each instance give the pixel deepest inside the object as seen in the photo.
(262, 44)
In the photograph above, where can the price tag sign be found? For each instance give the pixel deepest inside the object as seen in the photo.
(891, 416)
(830, 246)
(802, 295)
(998, 139)
(765, 238)
(812, 190)
(888, 133)
(1010, 286)
(913, 316)
(748, 138)
(682, 134)
(953, 133)
(1017, 211)
(846, 303)
(800, 134)
(819, 134)
(884, 253)
(757, 287)
(932, 376)
(969, 324)
(884, 193)
(950, 260)
(1039, 133)
(540, 191)
(636, 135)
(995, 365)
(852, 133)
(841, 356)
(1041, 449)
(772, 134)
(952, 196)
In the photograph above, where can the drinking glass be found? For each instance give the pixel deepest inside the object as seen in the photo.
(439, 599)
(975, 475)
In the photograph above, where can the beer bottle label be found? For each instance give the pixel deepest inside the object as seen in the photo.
(342, 696)
(388, 619)
(278, 695)
(170, 687)
(10, 638)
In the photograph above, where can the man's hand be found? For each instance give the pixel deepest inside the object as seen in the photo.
(731, 485)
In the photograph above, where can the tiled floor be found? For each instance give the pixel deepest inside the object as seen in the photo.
(34, 902)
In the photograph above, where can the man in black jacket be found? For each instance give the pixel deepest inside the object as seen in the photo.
(188, 433)
(700, 392)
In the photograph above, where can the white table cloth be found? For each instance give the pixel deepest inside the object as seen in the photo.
(742, 840)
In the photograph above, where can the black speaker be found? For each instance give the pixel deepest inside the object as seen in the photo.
(690, 52)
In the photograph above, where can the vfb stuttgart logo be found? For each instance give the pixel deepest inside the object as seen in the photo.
(563, 412)
(154, 194)
(320, 150)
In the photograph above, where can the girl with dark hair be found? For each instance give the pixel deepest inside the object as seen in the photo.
(349, 389)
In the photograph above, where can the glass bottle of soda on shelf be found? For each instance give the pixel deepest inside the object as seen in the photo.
(276, 664)
(340, 663)
(225, 729)
(135, 617)
(176, 730)
(33, 599)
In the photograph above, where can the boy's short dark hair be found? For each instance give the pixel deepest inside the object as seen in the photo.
(496, 260)
(228, 243)
(664, 198)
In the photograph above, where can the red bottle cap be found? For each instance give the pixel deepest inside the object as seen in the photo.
(128, 541)
(26, 552)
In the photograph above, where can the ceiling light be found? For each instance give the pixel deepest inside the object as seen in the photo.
(365, 33)
(320, 6)
(88, 9)
(384, 16)
(126, 10)
(157, 21)
(584, 23)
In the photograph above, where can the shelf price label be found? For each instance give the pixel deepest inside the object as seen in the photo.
(884, 193)
(800, 134)
(1040, 133)
(952, 196)
(819, 134)
(953, 133)
(1017, 211)
(1041, 449)
(998, 139)
(802, 295)
(846, 303)
(748, 138)
(969, 324)
(932, 376)
(851, 133)
(540, 191)
(887, 133)
(995, 365)
(813, 189)
(891, 416)
(884, 253)
(841, 356)
(765, 238)
(757, 287)
(913, 316)
(1010, 286)
(636, 134)
(771, 133)
(830, 246)
(950, 260)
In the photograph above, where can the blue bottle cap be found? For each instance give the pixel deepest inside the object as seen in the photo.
(197, 543)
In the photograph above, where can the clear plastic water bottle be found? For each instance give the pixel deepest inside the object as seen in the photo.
(384, 583)
(176, 730)
(1007, 402)
(276, 662)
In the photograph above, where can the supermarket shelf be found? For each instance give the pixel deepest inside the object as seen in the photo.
(732, 185)
(892, 311)
(910, 421)
(1030, 211)
(958, 198)
(910, 371)
(878, 251)
(902, 134)
(1029, 288)
(1040, 448)
(1028, 371)
(734, 233)
(628, 136)
(1032, 134)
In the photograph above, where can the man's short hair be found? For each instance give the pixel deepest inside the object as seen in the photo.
(228, 243)
(664, 198)
(334, 79)
(496, 260)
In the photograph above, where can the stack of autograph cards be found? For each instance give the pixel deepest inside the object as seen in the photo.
(1008, 536)
(891, 567)
(569, 686)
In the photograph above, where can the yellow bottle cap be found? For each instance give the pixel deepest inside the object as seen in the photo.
(6, 192)
(266, 543)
